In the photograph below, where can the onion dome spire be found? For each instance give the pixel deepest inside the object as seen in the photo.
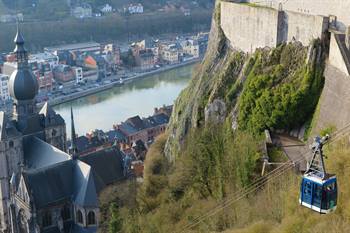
(23, 84)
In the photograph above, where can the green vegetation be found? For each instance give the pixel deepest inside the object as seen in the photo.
(281, 90)
(214, 164)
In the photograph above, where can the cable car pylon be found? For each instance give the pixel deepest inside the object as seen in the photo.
(318, 189)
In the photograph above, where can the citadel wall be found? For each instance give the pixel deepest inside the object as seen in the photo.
(251, 27)
(339, 8)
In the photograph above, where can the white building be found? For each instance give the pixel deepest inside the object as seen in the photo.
(4, 89)
(107, 8)
(83, 11)
(78, 72)
(134, 9)
(45, 57)
(190, 47)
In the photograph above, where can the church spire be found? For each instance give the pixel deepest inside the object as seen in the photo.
(20, 51)
(73, 148)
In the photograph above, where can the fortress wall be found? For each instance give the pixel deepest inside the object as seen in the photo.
(340, 8)
(249, 28)
(335, 57)
(304, 28)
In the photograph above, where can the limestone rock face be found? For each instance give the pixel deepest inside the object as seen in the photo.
(215, 112)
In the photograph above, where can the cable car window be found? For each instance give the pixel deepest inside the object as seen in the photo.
(317, 195)
(307, 189)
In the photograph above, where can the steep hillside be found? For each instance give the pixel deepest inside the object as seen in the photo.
(270, 89)
(213, 146)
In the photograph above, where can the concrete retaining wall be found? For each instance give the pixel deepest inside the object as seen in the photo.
(339, 8)
(249, 27)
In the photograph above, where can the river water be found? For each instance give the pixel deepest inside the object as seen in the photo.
(139, 97)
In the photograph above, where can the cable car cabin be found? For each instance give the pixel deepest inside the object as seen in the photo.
(319, 194)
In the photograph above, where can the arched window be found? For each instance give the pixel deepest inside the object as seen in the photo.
(91, 218)
(65, 213)
(79, 217)
(47, 219)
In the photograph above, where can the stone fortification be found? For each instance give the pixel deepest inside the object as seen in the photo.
(338, 8)
(250, 27)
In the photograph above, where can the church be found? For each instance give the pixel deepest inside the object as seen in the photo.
(43, 186)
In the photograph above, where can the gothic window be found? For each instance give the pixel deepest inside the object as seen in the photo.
(54, 133)
(91, 220)
(65, 213)
(11, 144)
(47, 219)
(80, 217)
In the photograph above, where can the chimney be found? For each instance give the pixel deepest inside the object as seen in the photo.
(347, 38)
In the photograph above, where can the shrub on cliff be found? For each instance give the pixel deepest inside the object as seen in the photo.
(282, 90)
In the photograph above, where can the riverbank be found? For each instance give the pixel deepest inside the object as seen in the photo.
(104, 87)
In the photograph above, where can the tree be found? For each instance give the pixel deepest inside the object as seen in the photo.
(115, 222)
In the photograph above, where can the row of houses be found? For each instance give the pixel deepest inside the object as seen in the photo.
(135, 131)
(77, 63)
(148, 54)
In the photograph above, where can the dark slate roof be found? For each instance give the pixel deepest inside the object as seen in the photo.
(84, 186)
(136, 122)
(39, 154)
(127, 129)
(161, 119)
(115, 135)
(68, 180)
(85, 144)
(107, 164)
(51, 184)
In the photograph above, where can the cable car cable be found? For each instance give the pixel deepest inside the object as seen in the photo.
(264, 180)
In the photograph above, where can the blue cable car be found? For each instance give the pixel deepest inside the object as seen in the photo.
(318, 190)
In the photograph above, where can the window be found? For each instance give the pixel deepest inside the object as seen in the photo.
(11, 144)
(47, 219)
(79, 217)
(91, 218)
(65, 213)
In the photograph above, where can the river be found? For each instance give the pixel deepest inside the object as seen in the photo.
(139, 97)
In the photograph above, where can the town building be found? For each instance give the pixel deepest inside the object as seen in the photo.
(88, 47)
(78, 73)
(43, 58)
(82, 11)
(63, 73)
(43, 188)
(4, 88)
(169, 54)
(134, 9)
(145, 59)
(106, 9)
(190, 47)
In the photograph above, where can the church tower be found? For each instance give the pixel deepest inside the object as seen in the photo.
(23, 86)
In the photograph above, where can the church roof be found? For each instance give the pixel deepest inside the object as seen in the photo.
(68, 180)
(107, 165)
(85, 186)
(39, 154)
(51, 184)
